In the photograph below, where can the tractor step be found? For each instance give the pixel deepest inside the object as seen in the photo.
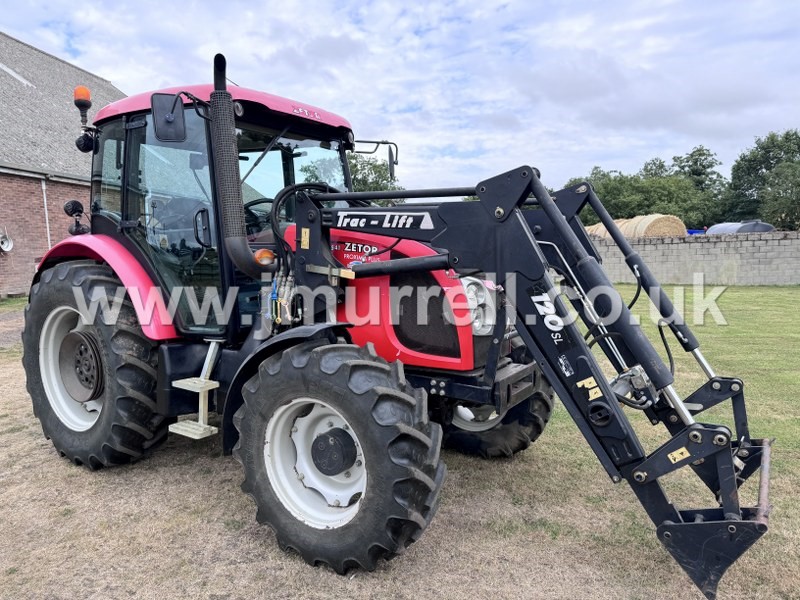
(193, 429)
(201, 385)
(196, 384)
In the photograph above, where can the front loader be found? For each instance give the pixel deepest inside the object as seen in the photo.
(483, 309)
(520, 246)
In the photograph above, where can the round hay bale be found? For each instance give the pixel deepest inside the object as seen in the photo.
(655, 225)
(597, 230)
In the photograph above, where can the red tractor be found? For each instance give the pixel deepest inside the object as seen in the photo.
(228, 267)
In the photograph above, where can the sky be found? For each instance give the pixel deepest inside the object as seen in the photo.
(467, 88)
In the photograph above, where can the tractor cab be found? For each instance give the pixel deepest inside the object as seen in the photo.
(154, 190)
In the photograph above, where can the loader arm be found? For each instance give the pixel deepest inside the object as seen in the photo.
(517, 248)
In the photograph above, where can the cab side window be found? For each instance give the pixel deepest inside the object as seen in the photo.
(171, 184)
(107, 170)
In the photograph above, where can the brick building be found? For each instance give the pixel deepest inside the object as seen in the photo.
(40, 168)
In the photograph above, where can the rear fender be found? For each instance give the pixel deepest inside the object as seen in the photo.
(331, 332)
(154, 320)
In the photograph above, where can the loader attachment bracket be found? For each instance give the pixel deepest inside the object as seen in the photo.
(706, 542)
(501, 194)
(694, 444)
(706, 550)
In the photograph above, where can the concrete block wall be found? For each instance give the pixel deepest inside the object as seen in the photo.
(733, 259)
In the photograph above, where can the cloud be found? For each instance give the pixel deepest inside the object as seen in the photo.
(468, 88)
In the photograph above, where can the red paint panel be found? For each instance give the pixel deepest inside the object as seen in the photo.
(141, 102)
(379, 330)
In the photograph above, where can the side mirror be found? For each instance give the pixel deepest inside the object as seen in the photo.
(73, 208)
(394, 152)
(6, 243)
(168, 118)
(85, 143)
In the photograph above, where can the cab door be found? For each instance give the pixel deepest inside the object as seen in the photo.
(169, 215)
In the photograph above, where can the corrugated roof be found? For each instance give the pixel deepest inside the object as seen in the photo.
(38, 121)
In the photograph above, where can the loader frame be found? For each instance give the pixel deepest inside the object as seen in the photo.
(516, 233)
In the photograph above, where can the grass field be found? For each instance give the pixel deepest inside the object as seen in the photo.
(546, 524)
(8, 305)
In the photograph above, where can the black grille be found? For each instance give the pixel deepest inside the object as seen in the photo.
(429, 332)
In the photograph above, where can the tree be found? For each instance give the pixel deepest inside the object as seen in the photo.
(674, 195)
(750, 172)
(699, 166)
(655, 189)
(780, 197)
(615, 191)
(655, 167)
(370, 174)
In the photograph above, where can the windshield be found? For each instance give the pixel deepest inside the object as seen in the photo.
(270, 160)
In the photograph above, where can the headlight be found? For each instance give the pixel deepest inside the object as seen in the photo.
(476, 292)
(481, 305)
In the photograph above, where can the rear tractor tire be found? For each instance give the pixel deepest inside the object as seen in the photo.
(338, 454)
(480, 431)
(92, 384)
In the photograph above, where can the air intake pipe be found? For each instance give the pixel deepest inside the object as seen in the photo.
(226, 173)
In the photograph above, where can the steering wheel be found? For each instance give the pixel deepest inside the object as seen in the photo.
(174, 214)
(285, 194)
(257, 220)
(290, 190)
(251, 203)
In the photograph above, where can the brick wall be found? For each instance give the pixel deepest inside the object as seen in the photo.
(22, 213)
(741, 259)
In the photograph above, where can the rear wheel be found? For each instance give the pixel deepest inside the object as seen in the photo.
(338, 454)
(92, 384)
(481, 431)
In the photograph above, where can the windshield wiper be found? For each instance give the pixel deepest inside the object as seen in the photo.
(269, 147)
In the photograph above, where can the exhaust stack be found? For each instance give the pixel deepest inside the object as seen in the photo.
(226, 173)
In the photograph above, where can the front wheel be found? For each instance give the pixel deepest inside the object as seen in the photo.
(482, 432)
(338, 454)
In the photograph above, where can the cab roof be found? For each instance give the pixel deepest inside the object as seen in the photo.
(141, 102)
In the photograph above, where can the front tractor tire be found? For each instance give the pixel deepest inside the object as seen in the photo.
(92, 384)
(338, 454)
(480, 431)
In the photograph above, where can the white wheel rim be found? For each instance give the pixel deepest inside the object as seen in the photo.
(318, 500)
(78, 416)
(476, 419)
